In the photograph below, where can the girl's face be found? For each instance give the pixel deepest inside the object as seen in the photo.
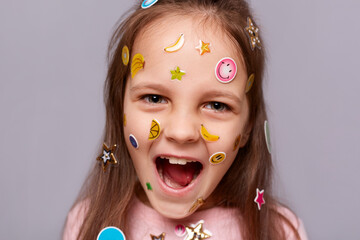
(198, 116)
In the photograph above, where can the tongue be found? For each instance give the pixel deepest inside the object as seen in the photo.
(181, 174)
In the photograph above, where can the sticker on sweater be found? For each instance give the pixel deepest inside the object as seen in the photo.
(111, 233)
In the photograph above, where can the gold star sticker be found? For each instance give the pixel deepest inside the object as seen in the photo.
(253, 34)
(196, 233)
(107, 156)
(160, 237)
(177, 73)
(203, 47)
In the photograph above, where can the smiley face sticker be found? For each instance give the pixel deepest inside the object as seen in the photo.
(225, 70)
(217, 158)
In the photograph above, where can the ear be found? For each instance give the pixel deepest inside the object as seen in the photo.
(245, 135)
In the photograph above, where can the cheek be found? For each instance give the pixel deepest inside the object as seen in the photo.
(136, 133)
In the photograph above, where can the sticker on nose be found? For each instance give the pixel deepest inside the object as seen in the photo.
(217, 158)
(225, 70)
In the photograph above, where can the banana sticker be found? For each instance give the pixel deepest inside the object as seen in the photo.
(207, 136)
(137, 64)
(177, 45)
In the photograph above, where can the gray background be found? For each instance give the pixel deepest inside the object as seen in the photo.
(52, 69)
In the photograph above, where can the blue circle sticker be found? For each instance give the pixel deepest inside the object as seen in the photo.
(111, 233)
(148, 3)
(133, 141)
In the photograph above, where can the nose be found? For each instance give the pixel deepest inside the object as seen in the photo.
(182, 127)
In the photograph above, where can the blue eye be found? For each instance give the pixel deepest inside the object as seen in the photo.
(217, 106)
(153, 98)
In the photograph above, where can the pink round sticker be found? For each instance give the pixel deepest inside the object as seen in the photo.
(225, 70)
(180, 230)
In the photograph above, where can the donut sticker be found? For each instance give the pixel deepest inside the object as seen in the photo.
(225, 70)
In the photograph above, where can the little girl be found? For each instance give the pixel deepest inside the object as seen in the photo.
(185, 154)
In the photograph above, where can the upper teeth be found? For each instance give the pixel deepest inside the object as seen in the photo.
(174, 160)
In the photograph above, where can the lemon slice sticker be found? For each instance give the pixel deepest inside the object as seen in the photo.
(154, 129)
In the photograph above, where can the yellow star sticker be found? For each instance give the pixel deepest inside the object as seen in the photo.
(107, 156)
(253, 34)
(160, 237)
(203, 47)
(196, 233)
(177, 73)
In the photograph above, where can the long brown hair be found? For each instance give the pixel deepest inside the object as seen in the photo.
(108, 198)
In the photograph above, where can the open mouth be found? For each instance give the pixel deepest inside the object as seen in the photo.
(176, 172)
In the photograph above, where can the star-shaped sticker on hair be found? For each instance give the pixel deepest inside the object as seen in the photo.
(196, 233)
(107, 157)
(160, 237)
(259, 199)
(253, 34)
(203, 47)
(177, 74)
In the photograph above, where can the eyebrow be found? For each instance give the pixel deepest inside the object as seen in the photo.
(217, 93)
(154, 86)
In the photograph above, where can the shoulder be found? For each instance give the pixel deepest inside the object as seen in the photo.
(75, 219)
(290, 218)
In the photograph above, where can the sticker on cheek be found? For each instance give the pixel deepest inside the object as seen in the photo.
(148, 186)
(154, 130)
(237, 142)
(207, 136)
(217, 158)
(225, 70)
(125, 55)
(148, 3)
(249, 83)
(137, 64)
(124, 120)
(133, 141)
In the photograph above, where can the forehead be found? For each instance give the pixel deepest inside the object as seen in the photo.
(199, 69)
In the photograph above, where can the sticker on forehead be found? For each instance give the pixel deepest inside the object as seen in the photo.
(133, 141)
(177, 74)
(225, 70)
(154, 130)
(148, 3)
(125, 55)
(203, 47)
(137, 64)
(177, 45)
(217, 158)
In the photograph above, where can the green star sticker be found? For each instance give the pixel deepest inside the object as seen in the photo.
(177, 74)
